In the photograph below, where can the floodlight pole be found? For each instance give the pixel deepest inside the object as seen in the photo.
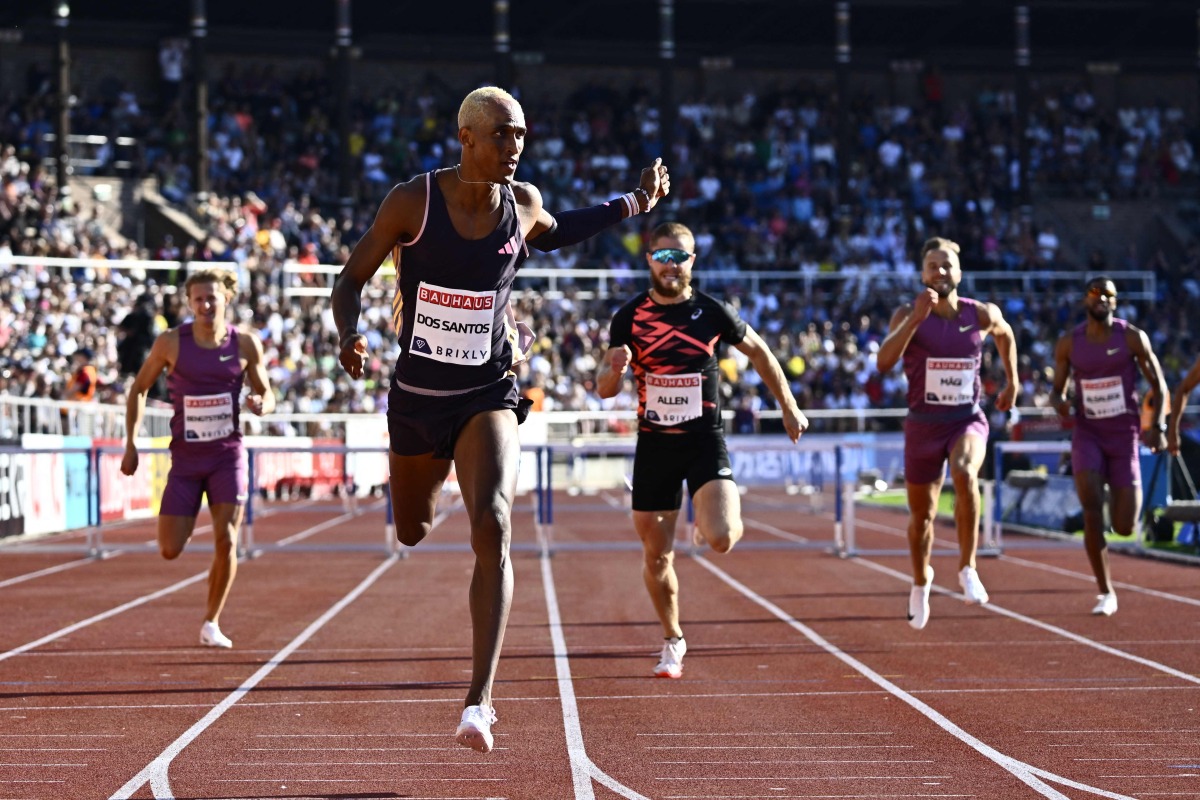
(1022, 109)
(842, 74)
(343, 36)
(502, 44)
(666, 55)
(199, 100)
(62, 98)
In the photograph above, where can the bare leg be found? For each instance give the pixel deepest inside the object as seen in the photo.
(965, 461)
(719, 514)
(1124, 505)
(1090, 487)
(487, 456)
(227, 519)
(416, 482)
(657, 532)
(922, 507)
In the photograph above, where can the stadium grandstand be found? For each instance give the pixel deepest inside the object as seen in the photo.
(813, 147)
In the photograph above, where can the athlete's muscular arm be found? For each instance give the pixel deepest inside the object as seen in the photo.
(261, 399)
(1139, 344)
(767, 366)
(903, 326)
(1062, 372)
(992, 321)
(163, 355)
(397, 220)
(550, 232)
(612, 370)
(1178, 401)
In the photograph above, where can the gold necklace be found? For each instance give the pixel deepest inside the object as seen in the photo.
(461, 179)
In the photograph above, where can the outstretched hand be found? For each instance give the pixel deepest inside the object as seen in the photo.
(656, 182)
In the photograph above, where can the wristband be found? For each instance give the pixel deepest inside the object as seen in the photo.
(645, 195)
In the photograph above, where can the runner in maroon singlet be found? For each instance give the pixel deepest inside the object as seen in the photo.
(459, 236)
(1104, 354)
(669, 335)
(207, 360)
(940, 337)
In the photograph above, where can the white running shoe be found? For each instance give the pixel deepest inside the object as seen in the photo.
(671, 663)
(211, 636)
(1106, 605)
(918, 601)
(972, 587)
(475, 729)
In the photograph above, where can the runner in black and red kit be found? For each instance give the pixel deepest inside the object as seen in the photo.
(459, 235)
(669, 335)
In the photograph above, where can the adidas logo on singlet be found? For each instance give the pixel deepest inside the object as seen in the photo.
(509, 248)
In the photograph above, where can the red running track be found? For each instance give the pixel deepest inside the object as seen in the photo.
(802, 678)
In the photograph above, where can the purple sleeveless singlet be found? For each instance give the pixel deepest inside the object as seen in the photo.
(206, 439)
(941, 363)
(1107, 420)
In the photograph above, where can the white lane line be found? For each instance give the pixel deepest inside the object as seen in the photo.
(1067, 573)
(771, 529)
(636, 698)
(41, 573)
(156, 771)
(1175, 598)
(811, 761)
(1031, 776)
(583, 771)
(83, 562)
(1063, 632)
(777, 733)
(112, 612)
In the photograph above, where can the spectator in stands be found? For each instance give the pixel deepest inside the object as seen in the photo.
(207, 361)
(462, 234)
(84, 380)
(669, 335)
(1103, 356)
(940, 338)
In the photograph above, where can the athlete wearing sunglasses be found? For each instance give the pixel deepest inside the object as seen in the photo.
(670, 336)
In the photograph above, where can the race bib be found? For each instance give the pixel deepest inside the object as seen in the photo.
(672, 399)
(207, 417)
(453, 326)
(1103, 397)
(950, 381)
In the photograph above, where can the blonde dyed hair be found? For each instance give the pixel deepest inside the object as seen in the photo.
(221, 277)
(475, 106)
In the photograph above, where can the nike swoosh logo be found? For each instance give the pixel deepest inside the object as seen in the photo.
(224, 358)
(964, 328)
(1113, 351)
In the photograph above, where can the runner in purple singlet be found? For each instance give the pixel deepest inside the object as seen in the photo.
(458, 237)
(940, 338)
(206, 361)
(1103, 355)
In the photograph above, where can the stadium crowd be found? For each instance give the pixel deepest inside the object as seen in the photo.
(755, 176)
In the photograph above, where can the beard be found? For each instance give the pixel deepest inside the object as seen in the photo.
(1100, 315)
(676, 289)
(943, 292)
